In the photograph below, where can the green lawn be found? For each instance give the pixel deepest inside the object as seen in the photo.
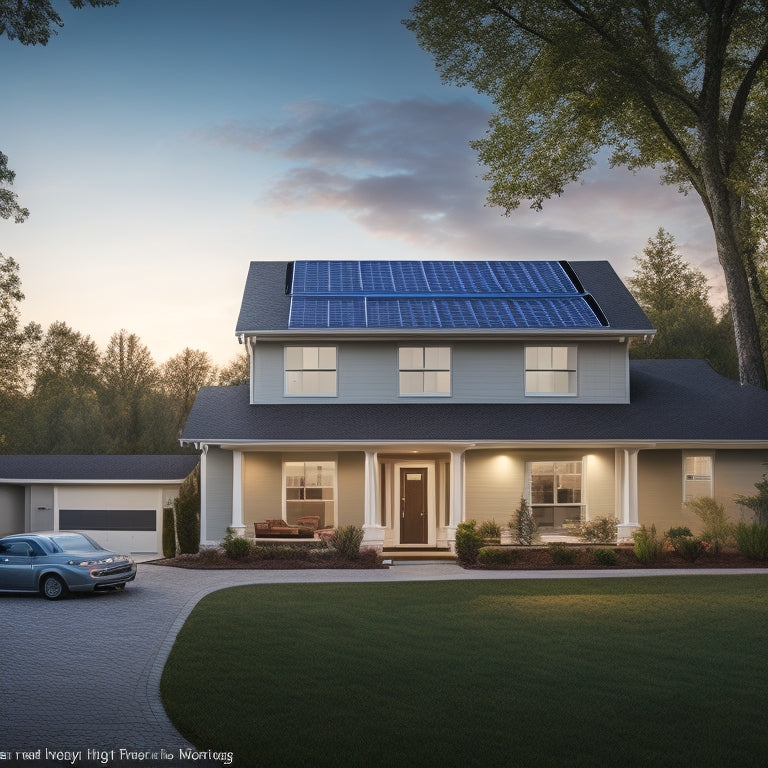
(648, 671)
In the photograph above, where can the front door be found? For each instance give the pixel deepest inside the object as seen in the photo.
(414, 520)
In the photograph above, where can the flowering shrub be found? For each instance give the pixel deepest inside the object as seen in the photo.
(690, 548)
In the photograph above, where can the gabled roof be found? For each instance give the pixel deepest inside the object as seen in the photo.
(105, 468)
(455, 296)
(671, 400)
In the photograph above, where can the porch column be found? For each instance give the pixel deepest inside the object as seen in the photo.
(373, 531)
(626, 460)
(457, 495)
(204, 495)
(237, 526)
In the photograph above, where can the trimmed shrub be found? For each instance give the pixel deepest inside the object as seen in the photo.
(689, 548)
(752, 540)
(169, 532)
(648, 547)
(562, 554)
(347, 540)
(604, 556)
(601, 530)
(497, 556)
(468, 542)
(717, 530)
(187, 508)
(490, 529)
(523, 524)
(237, 547)
(673, 533)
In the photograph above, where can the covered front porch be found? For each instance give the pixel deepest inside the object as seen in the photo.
(414, 496)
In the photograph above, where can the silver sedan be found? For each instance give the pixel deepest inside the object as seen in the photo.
(60, 562)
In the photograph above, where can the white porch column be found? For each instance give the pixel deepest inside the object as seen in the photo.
(373, 531)
(457, 495)
(204, 495)
(626, 461)
(237, 526)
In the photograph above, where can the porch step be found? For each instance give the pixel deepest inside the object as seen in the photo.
(421, 555)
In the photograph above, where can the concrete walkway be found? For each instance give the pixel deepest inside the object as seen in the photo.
(84, 673)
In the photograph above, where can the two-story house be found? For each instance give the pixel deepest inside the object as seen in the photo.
(406, 397)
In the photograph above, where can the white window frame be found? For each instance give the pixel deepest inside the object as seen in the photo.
(577, 506)
(691, 476)
(429, 370)
(304, 365)
(547, 366)
(330, 520)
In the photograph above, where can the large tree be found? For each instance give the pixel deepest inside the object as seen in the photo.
(676, 84)
(182, 377)
(31, 22)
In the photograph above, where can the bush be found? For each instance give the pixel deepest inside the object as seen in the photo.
(523, 524)
(490, 529)
(673, 533)
(752, 540)
(468, 542)
(562, 554)
(601, 530)
(237, 547)
(604, 556)
(497, 556)
(717, 530)
(648, 548)
(169, 532)
(758, 503)
(347, 540)
(187, 508)
(690, 548)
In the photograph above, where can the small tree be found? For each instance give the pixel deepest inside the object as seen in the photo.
(757, 503)
(187, 508)
(717, 530)
(169, 532)
(523, 524)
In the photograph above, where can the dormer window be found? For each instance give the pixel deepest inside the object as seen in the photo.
(425, 371)
(310, 371)
(550, 370)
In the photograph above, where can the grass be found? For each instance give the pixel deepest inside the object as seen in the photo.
(563, 673)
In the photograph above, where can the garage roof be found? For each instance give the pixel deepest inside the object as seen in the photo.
(96, 468)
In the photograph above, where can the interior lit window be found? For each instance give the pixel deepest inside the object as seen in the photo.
(310, 371)
(309, 490)
(550, 370)
(425, 370)
(556, 492)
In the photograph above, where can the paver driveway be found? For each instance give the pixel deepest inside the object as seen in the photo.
(84, 673)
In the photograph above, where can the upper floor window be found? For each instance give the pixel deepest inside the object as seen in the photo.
(550, 370)
(697, 476)
(425, 370)
(310, 371)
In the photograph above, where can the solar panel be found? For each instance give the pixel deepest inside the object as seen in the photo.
(438, 294)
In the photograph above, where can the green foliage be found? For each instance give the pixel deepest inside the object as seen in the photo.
(187, 508)
(169, 532)
(468, 542)
(523, 524)
(347, 540)
(604, 556)
(601, 530)
(757, 503)
(490, 529)
(690, 548)
(717, 530)
(497, 556)
(648, 547)
(752, 540)
(237, 547)
(569, 80)
(562, 554)
(683, 530)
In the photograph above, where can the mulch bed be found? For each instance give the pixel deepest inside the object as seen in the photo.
(218, 562)
(540, 558)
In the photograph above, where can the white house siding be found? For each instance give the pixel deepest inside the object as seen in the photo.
(111, 498)
(368, 372)
(11, 509)
(218, 494)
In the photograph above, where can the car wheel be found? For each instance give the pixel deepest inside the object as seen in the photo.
(53, 587)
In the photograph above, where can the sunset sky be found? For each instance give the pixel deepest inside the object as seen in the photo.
(164, 144)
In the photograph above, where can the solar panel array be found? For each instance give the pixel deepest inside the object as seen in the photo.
(437, 294)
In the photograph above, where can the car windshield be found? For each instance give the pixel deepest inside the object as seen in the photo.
(75, 542)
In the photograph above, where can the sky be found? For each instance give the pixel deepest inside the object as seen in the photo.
(162, 145)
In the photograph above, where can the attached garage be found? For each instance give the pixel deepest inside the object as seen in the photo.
(118, 500)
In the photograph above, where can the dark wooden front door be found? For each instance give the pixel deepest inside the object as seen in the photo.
(413, 506)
